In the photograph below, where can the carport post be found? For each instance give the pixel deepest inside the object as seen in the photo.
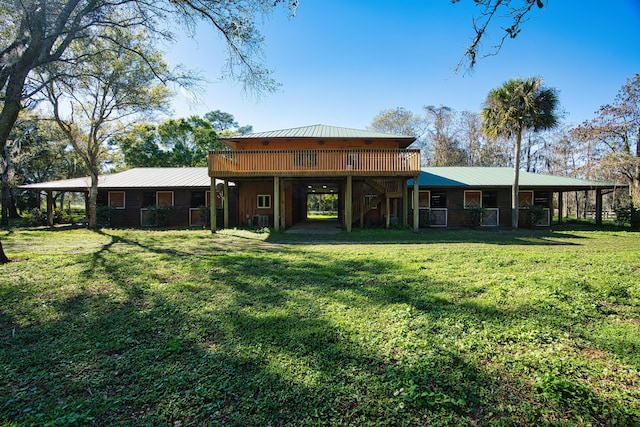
(598, 206)
(50, 208)
(560, 206)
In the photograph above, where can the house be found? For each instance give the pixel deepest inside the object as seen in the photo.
(133, 196)
(264, 179)
(274, 172)
(463, 196)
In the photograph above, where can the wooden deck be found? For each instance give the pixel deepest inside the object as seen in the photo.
(303, 163)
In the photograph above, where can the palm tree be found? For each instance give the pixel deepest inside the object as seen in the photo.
(516, 106)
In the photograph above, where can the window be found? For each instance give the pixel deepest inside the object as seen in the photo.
(424, 199)
(525, 198)
(541, 198)
(472, 198)
(198, 199)
(164, 198)
(438, 200)
(264, 201)
(148, 199)
(489, 199)
(371, 200)
(116, 199)
(102, 199)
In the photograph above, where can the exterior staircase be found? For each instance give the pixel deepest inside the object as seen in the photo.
(379, 191)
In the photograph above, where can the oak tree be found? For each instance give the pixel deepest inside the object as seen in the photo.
(94, 102)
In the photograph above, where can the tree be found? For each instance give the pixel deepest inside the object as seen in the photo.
(114, 83)
(177, 142)
(443, 137)
(39, 151)
(38, 33)
(513, 13)
(225, 124)
(615, 132)
(400, 121)
(519, 105)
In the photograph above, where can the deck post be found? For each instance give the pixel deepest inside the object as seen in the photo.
(388, 208)
(560, 206)
(50, 208)
(276, 203)
(416, 201)
(405, 204)
(283, 206)
(213, 205)
(225, 203)
(362, 211)
(348, 204)
(598, 206)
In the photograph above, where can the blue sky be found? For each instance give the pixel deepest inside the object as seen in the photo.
(341, 62)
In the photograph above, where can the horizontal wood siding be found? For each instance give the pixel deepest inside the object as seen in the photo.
(226, 164)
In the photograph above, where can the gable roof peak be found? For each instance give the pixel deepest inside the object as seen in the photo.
(320, 131)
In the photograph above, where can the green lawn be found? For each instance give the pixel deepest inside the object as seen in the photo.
(442, 327)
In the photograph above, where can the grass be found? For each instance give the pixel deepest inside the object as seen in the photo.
(440, 328)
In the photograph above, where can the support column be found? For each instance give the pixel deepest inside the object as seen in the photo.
(405, 204)
(276, 203)
(598, 206)
(560, 206)
(213, 206)
(388, 209)
(348, 204)
(283, 206)
(50, 208)
(416, 201)
(225, 203)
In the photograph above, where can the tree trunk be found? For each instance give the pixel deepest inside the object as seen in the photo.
(93, 198)
(3, 256)
(13, 209)
(516, 178)
(5, 203)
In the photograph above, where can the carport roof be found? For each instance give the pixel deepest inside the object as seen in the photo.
(495, 177)
(133, 178)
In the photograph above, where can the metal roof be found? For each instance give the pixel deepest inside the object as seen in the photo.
(501, 177)
(133, 178)
(320, 131)
(433, 177)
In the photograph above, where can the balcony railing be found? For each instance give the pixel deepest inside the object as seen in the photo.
(223, 164)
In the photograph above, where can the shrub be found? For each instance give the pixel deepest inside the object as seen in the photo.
(535, 213)
(105, 215)
(474, 215)
(205, 215)
(161, 216)
(628, 214)
(34, 217)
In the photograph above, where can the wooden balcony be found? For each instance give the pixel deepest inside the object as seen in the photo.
(302, 163)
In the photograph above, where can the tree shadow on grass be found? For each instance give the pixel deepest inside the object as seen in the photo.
(544, 237)
(274, 335)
